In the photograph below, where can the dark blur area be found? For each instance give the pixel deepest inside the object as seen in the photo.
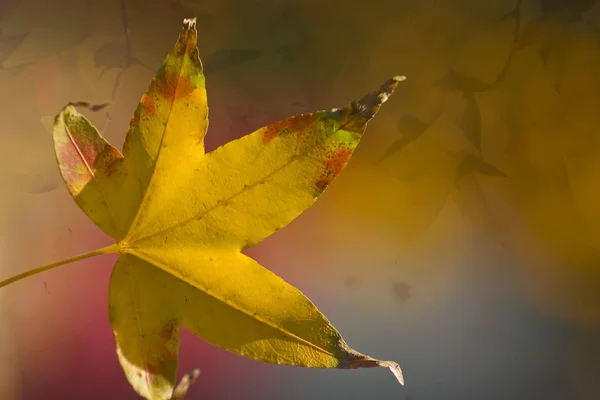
(462, 240)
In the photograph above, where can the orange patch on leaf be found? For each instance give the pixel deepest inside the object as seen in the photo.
(148, 104)
(334, 164)
(172, 86)
(300, 122)
(273, 130)
(185, 88)
(292, 124)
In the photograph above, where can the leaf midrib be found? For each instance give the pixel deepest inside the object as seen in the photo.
(223, 202)
(215, 296)
(144, 199)
(113, 221)
(160, 146)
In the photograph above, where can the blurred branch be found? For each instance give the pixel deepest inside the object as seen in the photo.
(516, 14)
(126, 62)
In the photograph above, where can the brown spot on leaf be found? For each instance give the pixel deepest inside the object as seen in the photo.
(299, 122)
(180, 46)
(192, 51)
(112, 159)
(166, 358)
(168, 331)
(153, 369)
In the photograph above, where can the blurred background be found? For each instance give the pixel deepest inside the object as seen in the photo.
(462, 240)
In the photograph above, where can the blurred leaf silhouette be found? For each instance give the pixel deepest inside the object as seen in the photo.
(516, 14)
(175, 6)
(239, 122)
(471, 121)
(454, 81)
(290, 52)
(46, 33)
(224, 59)
(128, 60)
(411, 185)
(8, 45)
(569, 10)
(116, 55)
(469, 197)
(402, 291)
(471, 164)
(555, 13)
(411, 128)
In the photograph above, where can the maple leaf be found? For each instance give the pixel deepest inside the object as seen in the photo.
(181, 218)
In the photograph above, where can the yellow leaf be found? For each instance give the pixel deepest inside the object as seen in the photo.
(182, 217)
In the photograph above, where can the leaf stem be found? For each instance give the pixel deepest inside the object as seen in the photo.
(104, 250)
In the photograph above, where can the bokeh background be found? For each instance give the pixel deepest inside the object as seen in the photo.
(462, 240)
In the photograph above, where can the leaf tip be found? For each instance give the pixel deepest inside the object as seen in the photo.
(387, 89)
(180, 391)
(369, 105)
(355, 360)
(395, 368)
(189, 24)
